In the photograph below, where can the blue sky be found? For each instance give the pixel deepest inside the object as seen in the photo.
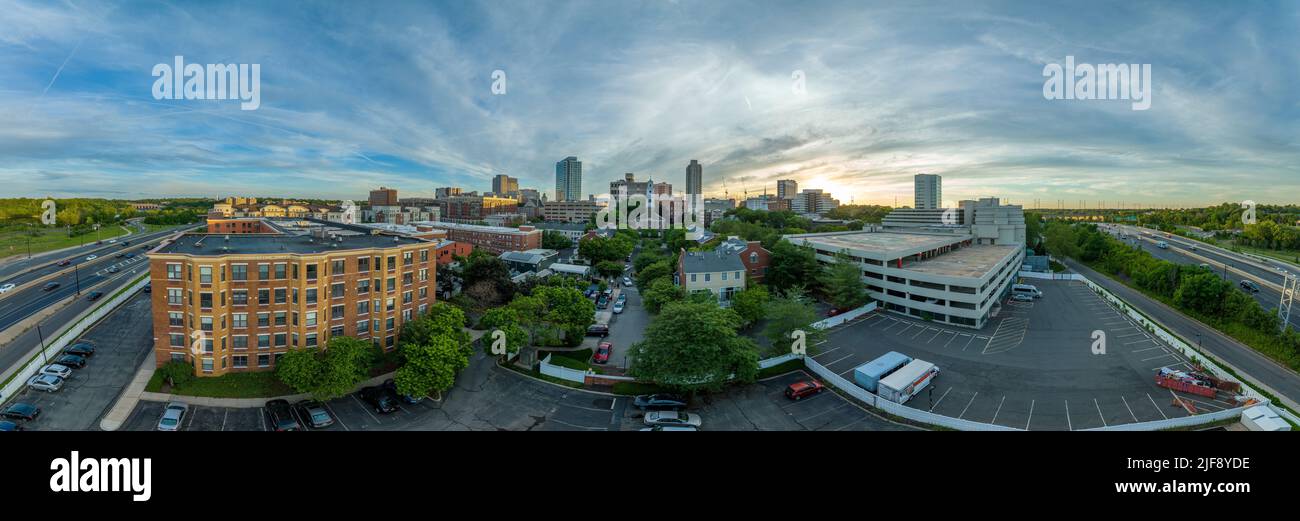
(355, 95)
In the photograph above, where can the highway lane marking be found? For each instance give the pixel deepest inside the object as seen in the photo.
(972, 400)
(945, 395)
(995, 413)
(1099, 414)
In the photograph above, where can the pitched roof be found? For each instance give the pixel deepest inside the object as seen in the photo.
(710, 262)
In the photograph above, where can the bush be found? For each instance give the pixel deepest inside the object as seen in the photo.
(177, 372)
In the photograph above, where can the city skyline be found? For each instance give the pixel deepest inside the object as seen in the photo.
(345, 110)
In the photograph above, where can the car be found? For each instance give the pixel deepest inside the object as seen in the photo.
(1204, 265)
(602, 303)
(119, 255)
(94, 295)
(803, 389)
(618, 307)
(609, 290)
(378, 398)
(112, 241)
(65, 262)
(148, 287)
(99, 242)
(314, 413)
(1192, 247)
(627, 282)
(126, 243)
(61, 371)
(622, 297)
(671, 428)
(592, 290)
(71, 361)
(603, 350)
(83, 349)
(1022, 297)
(130, 255)
(282, 416)
(91, 257)
(45, 382)
(172, 416)
(6, 288)
(659, 402)
(8, 426)
(601, 330)
(114, 269)
(390, 385)
(49, 286)
(21, 411)
(672, 418)
(1249, 285)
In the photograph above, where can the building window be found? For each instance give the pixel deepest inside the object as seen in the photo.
(311, 339)
(177, 340)
(238, 272)
(311, 272)
(279, 318)
(205, 323)
(363, 264)
(337, 290)
(363, 286)
(392, 262)
(205, 274)
(239, 342)
(707, 276)
(263, 272)
(407, 279)
(280, 295)
(175, 319)
(336, 312)
(391, 305)
(363, 326)
(311, 295)
(205, 300)
(174, 296)
(692, 277)
(173, 272)
(280, 271)
(724, 275)
(239, 297)
(263, 360)
(207, 365)
(240, 361)
(363, 307)
(280, 339)
(753, 257)
(338, 267)
(392, 283)
(311, 318)
(263, 297)
(424, 274)
(424, 255)
(241, 320)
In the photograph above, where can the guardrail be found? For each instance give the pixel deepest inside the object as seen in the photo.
(18, 380)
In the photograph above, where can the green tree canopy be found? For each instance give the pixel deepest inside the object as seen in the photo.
(693, 346)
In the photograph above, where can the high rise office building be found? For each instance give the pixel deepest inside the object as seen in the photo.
(384, 196)
(929, 192)
(694, 178)
(786, 188)
(568, 179)
(503, 185)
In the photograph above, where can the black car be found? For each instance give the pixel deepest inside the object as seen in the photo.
(378, 398)
(390, 385)
(282, 416)
(21, 411)
(82, 349)
(600, 330)
(1249, 285)
(50, 286)
(602, 303)
(94, 295)
(8, 426)
(659, 402)
(148, 288)
(119, 255)
(314, 413)
(130, 255)
(73, 361)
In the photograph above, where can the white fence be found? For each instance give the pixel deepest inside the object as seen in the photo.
(563, 373)
(54, 345)
(1050, 276)
(776, 360)
(844, 317)
(1175, 423)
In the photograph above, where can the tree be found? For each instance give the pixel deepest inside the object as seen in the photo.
(507, 320)
(567, 309)
(787, 313)
(750, 304)
(481, 267)
(345, 364)
(791, 266)
(693, 346)
(1202, 292)
(430, 367)
(609, 268)
(660, 292)
(659, 270)
(442, 320)
(1060, 240)
(553, 240)
(299, 369)
(842, 281)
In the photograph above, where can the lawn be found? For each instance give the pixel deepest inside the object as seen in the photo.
(579, 359)
(232, 385)
(15, 241)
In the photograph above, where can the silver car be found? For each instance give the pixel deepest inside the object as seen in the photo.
(45, 382)
(61, 371)
(672, 418)
(172, 416)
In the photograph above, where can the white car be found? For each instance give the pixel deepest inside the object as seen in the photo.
(112, 241)
(172, 416)
(618, 307)
(627, 282)
(45, 382)
(61, 371)
(6, 288)
(672, 418)
(92, 257)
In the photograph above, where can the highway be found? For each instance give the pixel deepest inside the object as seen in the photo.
(15, 265)
(1187, 251)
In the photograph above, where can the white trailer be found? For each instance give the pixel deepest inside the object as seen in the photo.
(901, 385)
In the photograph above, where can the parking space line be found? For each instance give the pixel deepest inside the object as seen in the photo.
(954, 337)
(841, 405)
(850, 355)
(1099, 414)
(826, 352)
(1129, 335)
(336, 416)
(945, 395)
(585, 408)
(223, 419)
(904, 330)
(577, 426)
(972, 400)
(918, 333)
(995, 413)
(896, 322)
(365, 409)
(1146, 349)
(261, 417)
(1158, 356)
(972, 339)
(1069, 424)
(1031, 414)
(936, 335)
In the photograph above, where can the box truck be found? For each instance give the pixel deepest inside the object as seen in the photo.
(907, 381)
(869, 374)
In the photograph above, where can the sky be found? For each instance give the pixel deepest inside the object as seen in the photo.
(355, 95)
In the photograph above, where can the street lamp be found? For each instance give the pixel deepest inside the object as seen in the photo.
(42, 337)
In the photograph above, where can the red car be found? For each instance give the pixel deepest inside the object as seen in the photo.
(65, 262)
(803, 389)
(602, 352)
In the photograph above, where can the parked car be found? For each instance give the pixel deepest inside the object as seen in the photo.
(671, 428)
(65, 262)
(61, 371)
(148, 288)
(1249, 285)
(71, 361)
(672, 418)
(314, 413)
(172, 416)
(627, 282)
(609, 291)
(21, 411)
(602, 303)
(378, 398)
(94, 295)
(1022, 297)
(803, 389)
(282, 416)
(603, 350)
(6, 288)
(390, 385)
(45, 382)
(8, 426)
(618, 307)
(659, 402)
(600, 330)
(49, 286)
(83, 349)
(91, 257)
(592, 290)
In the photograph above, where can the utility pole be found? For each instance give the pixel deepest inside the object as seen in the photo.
(41, 335)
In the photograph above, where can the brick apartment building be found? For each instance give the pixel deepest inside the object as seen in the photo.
(251, 297)
(493, 239)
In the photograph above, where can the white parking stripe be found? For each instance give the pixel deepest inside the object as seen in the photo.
(1099, 414)
(1147, 349)
(995, 413)
(826, 352)
(336, 416)
(945, 395)
(954, 337)
(1069, 424)
(850, 355)
(1158, 356)
(972, 400)
(1130, 409)
(1153, 404)
(1031, 414)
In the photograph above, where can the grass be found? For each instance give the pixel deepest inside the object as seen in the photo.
(781, 368)
(634, 388)
(579, 359)
(14, 241)
(538, 375)
(262, 384)
(1291, 256)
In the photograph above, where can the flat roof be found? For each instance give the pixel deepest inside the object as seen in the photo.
(272, 243)
(475, 227)
(971, 261)
(879, 245)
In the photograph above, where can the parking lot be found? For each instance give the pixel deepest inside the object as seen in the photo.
(764, 407)
(122, 341)
(1032, 367)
